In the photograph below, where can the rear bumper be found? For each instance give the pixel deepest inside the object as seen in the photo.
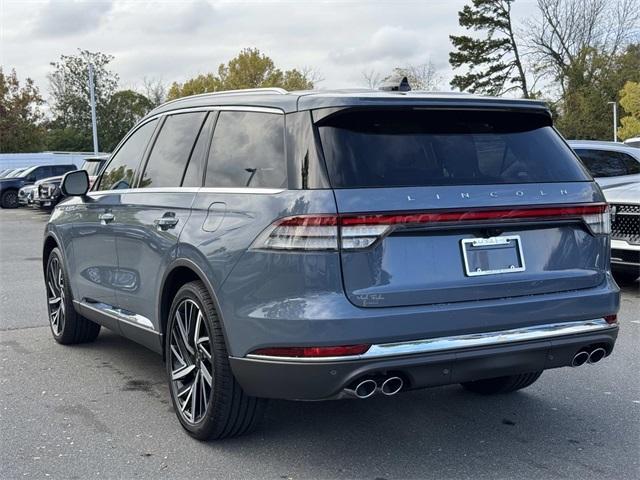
(428, 362)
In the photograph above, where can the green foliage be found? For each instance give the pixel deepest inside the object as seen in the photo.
(591, 84)
(116, 111)
(124, 110)
(20, 115)
(630, 102)
(493, 62)
(250, 69)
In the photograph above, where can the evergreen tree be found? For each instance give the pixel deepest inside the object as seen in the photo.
(493, 63)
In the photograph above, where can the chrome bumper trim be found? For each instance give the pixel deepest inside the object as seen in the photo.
(441, 344)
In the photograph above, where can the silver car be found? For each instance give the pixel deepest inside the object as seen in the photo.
(610, 163)
(625, 229)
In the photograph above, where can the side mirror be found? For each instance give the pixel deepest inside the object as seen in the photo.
(75, 184)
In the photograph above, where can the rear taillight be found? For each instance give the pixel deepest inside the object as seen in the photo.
(313, 352)
(352, 232)
(611, 319)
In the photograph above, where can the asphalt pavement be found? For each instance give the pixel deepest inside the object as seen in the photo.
(103, 410)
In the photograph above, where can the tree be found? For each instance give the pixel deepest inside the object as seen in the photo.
(630, 102)
(124, 110)
(70, 127)
(494, 64)
(155, 90)
(572, 41)
(249, 69)
(20, 115)
(423, 76)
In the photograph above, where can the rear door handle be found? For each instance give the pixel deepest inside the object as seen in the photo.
(167, 221)
(106, 218)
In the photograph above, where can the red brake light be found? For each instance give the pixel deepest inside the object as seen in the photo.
(313, 352)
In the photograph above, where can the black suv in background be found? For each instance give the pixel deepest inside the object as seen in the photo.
(9, 186)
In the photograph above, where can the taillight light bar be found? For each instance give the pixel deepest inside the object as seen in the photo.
(351, 232)
(313, 352)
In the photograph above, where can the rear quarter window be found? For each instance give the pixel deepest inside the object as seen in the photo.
(398, 148)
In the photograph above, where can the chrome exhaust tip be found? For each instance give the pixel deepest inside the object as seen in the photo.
(580, 359)
(597, 355)
(391, 386)
(363, 389)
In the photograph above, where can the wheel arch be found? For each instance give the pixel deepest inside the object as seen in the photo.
(180, 272)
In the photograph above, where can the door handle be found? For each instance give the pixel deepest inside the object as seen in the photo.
(167, 221)
(106, 218)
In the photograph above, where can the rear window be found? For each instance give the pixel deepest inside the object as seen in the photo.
(604, 163)
(402, 148)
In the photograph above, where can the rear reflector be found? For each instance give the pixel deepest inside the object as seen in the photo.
(611, 319)
(311, 352)
(351, 232)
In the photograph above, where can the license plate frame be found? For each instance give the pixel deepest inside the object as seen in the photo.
(507, 245)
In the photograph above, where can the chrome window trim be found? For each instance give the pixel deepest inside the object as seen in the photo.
(220, 190)
(473, 340)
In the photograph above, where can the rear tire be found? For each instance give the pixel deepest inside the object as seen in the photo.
(9, 199)
(198, 367)
(67, 325)
(507, 384)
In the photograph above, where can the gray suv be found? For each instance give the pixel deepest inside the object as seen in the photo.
(324, 245)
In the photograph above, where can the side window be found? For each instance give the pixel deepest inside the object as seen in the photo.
(43, 172)
(193, 175)
(171, 150)
(602, 163)
(247, 151)
(61, 169)
(122, 167)
(633, 165)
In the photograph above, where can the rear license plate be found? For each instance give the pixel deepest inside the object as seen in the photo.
(493, 255)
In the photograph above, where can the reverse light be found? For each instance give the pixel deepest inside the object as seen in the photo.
(313, 352)
(352, 232)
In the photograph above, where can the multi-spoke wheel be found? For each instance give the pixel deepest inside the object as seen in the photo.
(66, 324)
(191, 363)
(55, 295)
(208, 400)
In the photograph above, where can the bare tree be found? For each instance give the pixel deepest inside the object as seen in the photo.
(155, 90)
(372, 78)
(568, 33)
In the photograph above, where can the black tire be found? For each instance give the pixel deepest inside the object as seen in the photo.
(67, 326)
(507, 384)
(229, 411)
(9, 199)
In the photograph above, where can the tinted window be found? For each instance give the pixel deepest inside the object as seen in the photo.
(43, 172)
(247, 151)
(62, 169)
(171, 150)
(122, 167)
(632, 165)
(193, 175)
(387, 148)
(602, 163)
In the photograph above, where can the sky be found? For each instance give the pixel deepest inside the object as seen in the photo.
(176, 40)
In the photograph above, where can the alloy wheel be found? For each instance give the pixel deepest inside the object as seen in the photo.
(191, 362)
(56, 295)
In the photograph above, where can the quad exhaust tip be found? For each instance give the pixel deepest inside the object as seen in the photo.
(597, 355)
(580, 358)
(391, 386)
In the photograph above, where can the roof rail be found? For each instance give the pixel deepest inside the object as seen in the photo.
(279, 91)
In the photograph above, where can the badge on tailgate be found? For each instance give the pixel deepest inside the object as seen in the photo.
(493, 255)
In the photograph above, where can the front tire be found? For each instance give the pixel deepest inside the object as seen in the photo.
(207, 399)
(506, 384)
(9, 199)
(67, 326)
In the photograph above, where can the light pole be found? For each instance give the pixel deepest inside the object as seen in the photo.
(92, 98)
(615, 120)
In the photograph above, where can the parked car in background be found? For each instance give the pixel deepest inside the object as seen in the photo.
(624, 202)
(49, 193)
(634, 142)
(610, 163)
(12, 172)
(9, 187)
(25, 194)
(93, 166)
(399, 241)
